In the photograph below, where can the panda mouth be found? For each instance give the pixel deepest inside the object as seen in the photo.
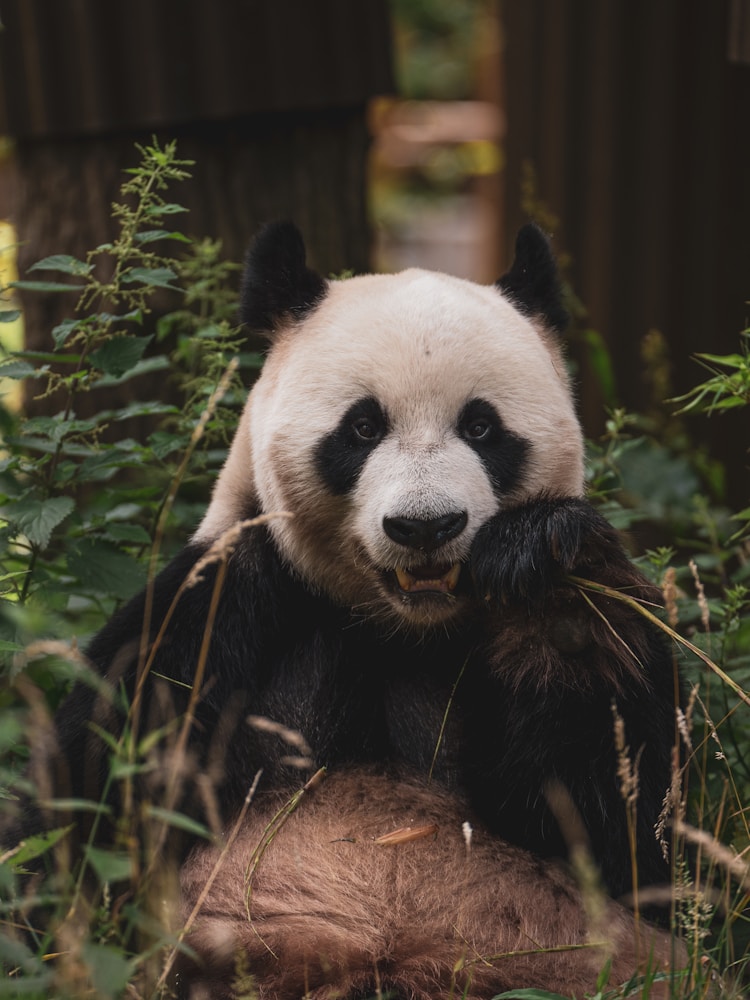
(429, 579)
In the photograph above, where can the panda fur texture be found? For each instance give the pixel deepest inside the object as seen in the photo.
(412, 616)
(372, 889)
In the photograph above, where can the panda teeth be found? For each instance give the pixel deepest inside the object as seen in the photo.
(429, 578)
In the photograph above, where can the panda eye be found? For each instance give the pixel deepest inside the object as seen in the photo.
(366, 429)
(479, 423)
(478, 430)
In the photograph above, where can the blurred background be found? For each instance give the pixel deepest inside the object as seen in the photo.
(417, 132)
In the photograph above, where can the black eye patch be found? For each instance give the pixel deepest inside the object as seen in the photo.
(502, 452)
(340, 456)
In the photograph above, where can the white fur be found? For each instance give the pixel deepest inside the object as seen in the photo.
(423, 345)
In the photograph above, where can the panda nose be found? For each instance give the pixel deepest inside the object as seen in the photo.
(425, 535)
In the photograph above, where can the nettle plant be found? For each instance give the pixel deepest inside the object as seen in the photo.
(88, 510)
(81, 500)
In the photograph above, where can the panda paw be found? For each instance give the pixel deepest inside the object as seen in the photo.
(525, 552)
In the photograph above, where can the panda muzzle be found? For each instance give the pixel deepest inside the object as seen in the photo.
(429, 578)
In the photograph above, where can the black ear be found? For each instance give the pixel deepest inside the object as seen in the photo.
(533, 284)
(277, 284)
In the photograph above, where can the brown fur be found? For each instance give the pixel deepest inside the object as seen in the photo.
(328, 913)
(582, 636)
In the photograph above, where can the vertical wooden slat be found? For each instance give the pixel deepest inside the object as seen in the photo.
(637, 127)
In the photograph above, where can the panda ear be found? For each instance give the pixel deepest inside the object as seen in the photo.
(277, 285)
(533, 284)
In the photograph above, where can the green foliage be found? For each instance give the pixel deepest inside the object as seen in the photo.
(727, 388)
(85, 510)
(80, 499)
(435, 45)
(662, 488)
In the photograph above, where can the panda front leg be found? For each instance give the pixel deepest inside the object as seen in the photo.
(524, 552)
(558, 668)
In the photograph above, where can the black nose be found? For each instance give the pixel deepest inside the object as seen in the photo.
(425, 535)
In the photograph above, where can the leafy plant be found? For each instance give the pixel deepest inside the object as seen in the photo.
(77, 510)
(86, 511)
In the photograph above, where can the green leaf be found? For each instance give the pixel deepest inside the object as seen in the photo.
(37, 519)
(78, 805)
(104, 570)
(62, 331)
(122, 769)
(17, 369)
(110, 866)
(730, 360)
(9, 315)
(57, 428)
(162, 443)
(152, 235)
(155, 277)
(64, 263)
(13, 728)
(68, 359)
(44, 286)
(30, 979)
(134, 534)
(34, 986)
(132, 316)
(110, 970)
(156, 363)
(34, 847)
(165, 209)
(178, 820)
(147, 408)
(119, 355)
(104, 464)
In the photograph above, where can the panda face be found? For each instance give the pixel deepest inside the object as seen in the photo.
(393, 421)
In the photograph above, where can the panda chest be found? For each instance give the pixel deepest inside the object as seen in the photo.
(413, 717)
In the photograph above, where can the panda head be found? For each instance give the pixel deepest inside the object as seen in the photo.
(394, 416)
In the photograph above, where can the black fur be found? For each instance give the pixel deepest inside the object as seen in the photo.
(340, 456)
(503, 453)
(532, 283)
(277, 284)
(525, 736)
(523, 553)
(360, 695)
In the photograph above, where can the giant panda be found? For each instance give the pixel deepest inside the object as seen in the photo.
(384, 569)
